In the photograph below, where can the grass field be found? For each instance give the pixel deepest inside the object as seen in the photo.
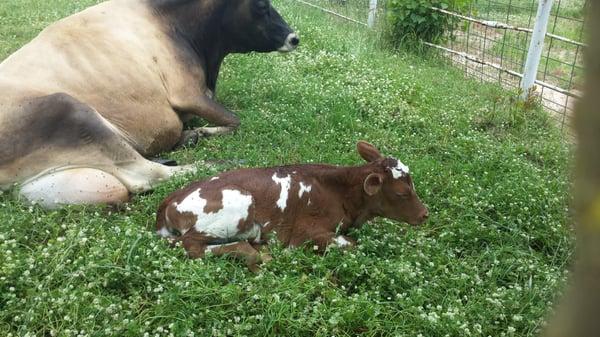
(490, 262)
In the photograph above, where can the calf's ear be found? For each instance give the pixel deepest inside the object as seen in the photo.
(373, 183)
(368, 152)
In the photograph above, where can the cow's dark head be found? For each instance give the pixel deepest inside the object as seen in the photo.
(254, 25)
(390, 189)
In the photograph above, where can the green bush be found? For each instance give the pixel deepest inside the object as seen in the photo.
(410, 22)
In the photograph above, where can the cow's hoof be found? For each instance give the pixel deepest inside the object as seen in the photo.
(166, 162)
(181, 170)
(188, 138)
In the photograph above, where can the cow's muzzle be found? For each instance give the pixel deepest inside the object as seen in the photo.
(291, 42)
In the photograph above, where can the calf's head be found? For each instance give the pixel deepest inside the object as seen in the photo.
(390, 189)
(254, 25)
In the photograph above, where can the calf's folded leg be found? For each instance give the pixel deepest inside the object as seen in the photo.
(322, 240)
(241, 250)
(196, 246)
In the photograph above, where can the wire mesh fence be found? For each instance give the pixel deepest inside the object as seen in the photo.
(351, 10)
(500, 34)
(492, 41)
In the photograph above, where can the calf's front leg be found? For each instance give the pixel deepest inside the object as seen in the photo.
(324, 240)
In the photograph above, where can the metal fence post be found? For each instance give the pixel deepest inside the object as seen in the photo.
(536, 47)
(372, 13)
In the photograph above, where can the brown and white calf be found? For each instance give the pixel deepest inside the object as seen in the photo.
(231, 213)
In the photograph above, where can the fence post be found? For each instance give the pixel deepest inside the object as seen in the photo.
(372, 13)
(536, 47)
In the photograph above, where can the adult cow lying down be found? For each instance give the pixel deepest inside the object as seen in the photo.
(95, 93)
(233, 212)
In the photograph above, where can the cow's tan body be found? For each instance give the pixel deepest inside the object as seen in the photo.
(89, 98)
(122, 64)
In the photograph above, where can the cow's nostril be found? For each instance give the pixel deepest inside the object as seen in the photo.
(295, 41)
(425, 215)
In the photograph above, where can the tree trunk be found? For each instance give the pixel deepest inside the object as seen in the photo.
(578, 314)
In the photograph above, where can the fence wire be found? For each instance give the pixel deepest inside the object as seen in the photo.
(560, 74)
(492, 40)
(351, 10)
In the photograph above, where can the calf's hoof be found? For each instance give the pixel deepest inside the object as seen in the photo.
(254, 268)
(266, 258)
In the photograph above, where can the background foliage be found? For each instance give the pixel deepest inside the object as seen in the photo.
(409, 22)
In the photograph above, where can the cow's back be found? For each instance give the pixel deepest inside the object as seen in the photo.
(71, 52)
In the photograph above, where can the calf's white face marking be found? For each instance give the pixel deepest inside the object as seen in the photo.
(400, 170)
(304, 188)
(223, 223)
(285, 183)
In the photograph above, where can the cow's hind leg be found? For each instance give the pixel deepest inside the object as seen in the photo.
(141, 175)
(78, 142)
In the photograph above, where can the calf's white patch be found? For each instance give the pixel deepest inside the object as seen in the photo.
(304, 189)
(400, 170)
(223, 223)
(285, 183)
(252, 233)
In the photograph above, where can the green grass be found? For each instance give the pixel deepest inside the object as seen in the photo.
(490, 261)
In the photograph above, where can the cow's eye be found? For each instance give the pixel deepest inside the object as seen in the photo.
(262, 7)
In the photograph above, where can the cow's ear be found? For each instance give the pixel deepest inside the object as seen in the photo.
(373, 183)
(368, 152)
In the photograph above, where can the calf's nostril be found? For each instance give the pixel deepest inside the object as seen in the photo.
(295, 41)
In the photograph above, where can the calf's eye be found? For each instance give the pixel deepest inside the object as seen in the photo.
(402, 195)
